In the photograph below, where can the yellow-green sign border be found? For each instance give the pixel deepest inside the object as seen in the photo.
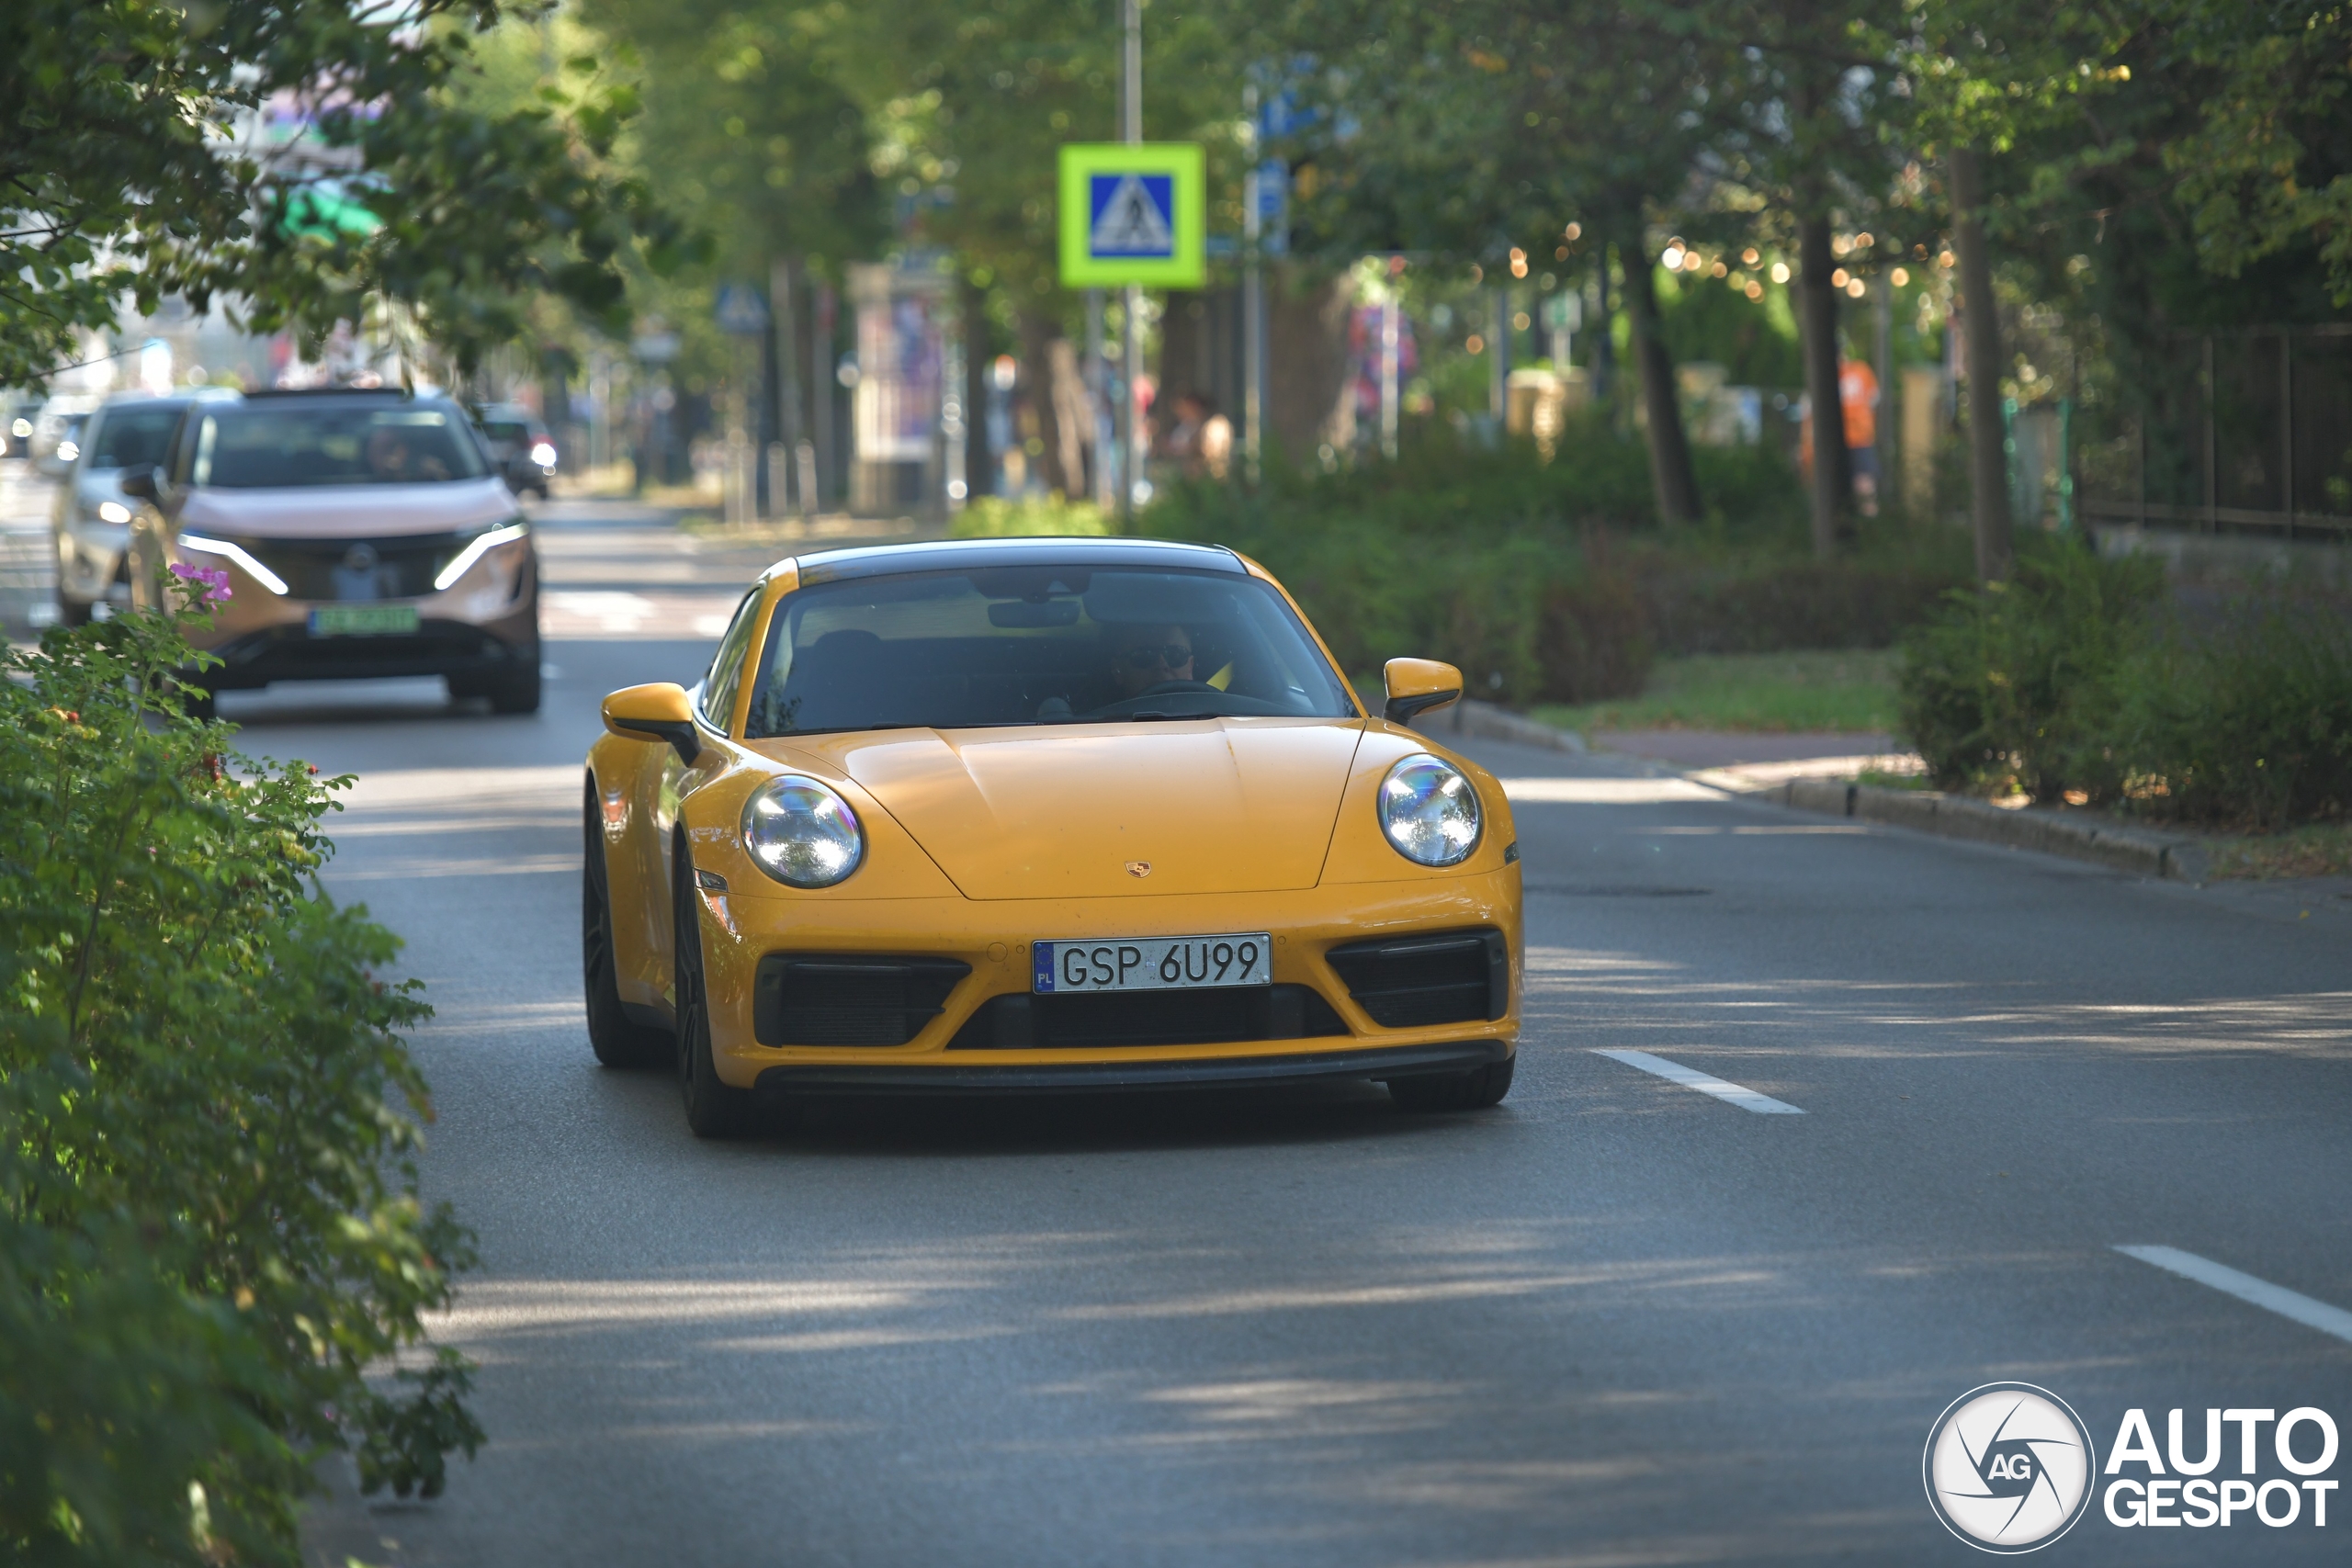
(1188, 169)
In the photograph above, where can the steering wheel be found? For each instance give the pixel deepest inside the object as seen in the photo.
(1163, 688)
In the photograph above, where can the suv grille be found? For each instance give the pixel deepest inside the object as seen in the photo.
(848, 999)
(1147, 1018)
(1411, 982)
(402, 567)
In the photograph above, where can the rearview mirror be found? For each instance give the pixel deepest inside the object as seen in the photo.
(138, 481)
(1416, 685)
(658, 711)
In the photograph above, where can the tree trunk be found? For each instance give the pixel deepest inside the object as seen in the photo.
(1670, 476)
(1817, 324)
(1310, 398)
(1051, 388)
(979, 465)
(1988, 466)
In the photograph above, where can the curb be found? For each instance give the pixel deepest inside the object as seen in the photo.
(2134, 849)
(1485, 721)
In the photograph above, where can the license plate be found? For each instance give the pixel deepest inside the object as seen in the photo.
(363, 620)
(1151, 963)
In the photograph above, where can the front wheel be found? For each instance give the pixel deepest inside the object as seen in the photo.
(1474, 1091)
(715, 1109)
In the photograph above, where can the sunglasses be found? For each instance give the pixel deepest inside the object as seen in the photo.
(1173, 655)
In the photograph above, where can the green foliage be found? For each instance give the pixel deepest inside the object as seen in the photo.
(2010, 686)
(209, 1231)
(121, 176)
(1553, 581)
(2075, 681)
(994, 517)
(2247, 722)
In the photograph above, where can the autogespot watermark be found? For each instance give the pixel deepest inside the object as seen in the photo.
(2010, 1468)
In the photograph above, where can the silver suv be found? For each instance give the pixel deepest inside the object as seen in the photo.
(362, 533)
(90, 523)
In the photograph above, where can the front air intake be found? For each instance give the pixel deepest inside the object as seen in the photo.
(1414, 982)
(826, 998)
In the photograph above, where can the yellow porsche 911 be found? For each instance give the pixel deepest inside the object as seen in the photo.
(1042, 815)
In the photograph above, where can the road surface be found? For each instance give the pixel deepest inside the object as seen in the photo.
(1618, 1321)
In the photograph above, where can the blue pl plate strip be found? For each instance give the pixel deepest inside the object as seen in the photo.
(1045, 965)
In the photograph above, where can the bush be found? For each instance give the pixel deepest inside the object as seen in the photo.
(1553, 581)
(2076, 682)
(210, 1230)
(2011, 686)
(2248, 723)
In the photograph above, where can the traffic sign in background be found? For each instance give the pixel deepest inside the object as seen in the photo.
(1133, 214)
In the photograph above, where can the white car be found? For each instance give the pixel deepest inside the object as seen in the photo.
(90, 523)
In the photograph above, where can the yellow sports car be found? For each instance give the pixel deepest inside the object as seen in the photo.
(1041, 815)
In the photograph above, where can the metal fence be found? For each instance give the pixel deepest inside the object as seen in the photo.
(2248, 432)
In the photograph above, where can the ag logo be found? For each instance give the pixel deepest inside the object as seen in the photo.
(2009, 1467)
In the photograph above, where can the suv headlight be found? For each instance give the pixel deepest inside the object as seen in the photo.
(1429, 811)
(802, 833)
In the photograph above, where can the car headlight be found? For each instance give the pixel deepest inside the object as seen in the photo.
(490, 538)
(1429, 811)
(801, 833)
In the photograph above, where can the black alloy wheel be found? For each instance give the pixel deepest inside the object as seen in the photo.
(619, 1040)
(1474, 1091)
(714, 1108)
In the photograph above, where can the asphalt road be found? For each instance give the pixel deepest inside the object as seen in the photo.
(1617, 1320)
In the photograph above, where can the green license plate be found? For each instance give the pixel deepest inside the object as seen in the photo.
(363, 620)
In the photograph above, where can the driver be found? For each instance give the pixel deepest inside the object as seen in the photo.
(388, 455)
(1142, 656)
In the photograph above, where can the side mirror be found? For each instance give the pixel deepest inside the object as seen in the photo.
(1416, 685)
(655, 712)
(138, 481)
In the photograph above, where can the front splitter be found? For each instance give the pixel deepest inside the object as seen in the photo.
(1079, 1077)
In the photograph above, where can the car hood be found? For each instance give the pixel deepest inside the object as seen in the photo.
(1217, 805)
(347, 511)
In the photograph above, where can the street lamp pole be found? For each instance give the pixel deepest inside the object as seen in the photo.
(1253, 300)
(1131, 328)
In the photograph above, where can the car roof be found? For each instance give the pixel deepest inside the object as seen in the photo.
(952, 555)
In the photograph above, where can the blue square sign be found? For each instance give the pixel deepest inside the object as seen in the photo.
(1131, 217)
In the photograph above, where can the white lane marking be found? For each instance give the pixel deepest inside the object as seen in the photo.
(1692, 1077)
(1605, 792)
(2311, 1313)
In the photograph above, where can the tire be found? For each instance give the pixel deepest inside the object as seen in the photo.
(714, 1108)
(73, 612)
(198, 704)
(516, 691)
(619, 1040)
(1474, 1091)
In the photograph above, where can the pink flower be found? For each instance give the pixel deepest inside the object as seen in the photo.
(208, 584)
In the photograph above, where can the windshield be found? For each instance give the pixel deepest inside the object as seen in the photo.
(1037, 644)
(132, 434)
(506, 430)
(265, 448)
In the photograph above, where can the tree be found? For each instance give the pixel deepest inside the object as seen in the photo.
(1469, 129)
(130, 169)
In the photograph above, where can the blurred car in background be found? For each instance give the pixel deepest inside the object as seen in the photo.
(56, 427)
(90, 523)
(520, 445)
(362, 533)
(16, 412)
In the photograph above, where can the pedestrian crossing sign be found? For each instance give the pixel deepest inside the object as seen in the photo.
(1133, 214)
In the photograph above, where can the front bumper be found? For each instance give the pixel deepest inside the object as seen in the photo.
(991, 937)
